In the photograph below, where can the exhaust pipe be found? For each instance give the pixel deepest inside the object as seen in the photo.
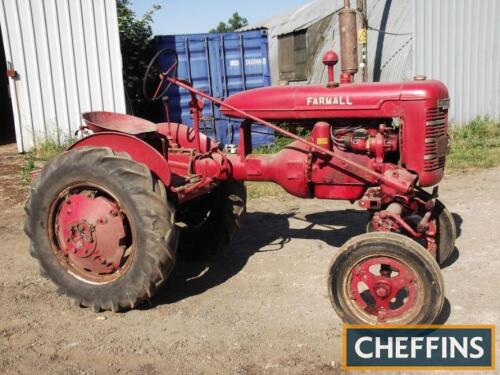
(348, 41)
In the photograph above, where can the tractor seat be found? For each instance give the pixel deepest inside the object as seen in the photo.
(101, 120)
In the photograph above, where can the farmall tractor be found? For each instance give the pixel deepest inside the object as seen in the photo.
(108, 217)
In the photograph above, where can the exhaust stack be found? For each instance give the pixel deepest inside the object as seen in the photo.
(348, 42)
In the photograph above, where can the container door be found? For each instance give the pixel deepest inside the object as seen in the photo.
(220, 64)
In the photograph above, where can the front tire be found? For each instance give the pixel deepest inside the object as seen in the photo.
(446, 232)
(385, 278)
(101, 228)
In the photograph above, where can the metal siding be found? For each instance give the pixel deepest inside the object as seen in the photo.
(68, 59)
(396, 47)
(221, 64)
(458, 42)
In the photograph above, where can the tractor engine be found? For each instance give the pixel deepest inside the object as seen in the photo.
(386, 127)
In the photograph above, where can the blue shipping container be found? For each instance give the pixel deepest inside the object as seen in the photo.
(220, 64)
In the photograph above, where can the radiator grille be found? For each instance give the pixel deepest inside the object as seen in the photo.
(435, 127)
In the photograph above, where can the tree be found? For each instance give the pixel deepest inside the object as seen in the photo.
(233, 23)
(136, 38)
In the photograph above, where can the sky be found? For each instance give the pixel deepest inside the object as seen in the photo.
(199, 16)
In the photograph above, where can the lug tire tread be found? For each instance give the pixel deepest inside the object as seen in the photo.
(147, 205)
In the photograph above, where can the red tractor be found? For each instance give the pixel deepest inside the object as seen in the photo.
(106, 218)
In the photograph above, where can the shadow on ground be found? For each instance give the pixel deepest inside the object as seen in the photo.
(261, 232)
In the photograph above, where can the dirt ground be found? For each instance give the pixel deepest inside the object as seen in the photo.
(260, 308)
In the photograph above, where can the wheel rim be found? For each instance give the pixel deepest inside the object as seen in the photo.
(91, 234)
(383, 289)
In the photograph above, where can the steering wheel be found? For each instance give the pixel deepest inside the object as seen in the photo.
(154, 72)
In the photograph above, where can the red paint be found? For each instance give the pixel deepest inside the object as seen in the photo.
(369, 160)
(401, 185)
(101, 121)
(330, 58)
(385, 278)
(320, 135)
(89, 232)
(345, 77)
(138, 150)
(414, 103)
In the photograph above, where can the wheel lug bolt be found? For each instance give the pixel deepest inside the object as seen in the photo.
(381, 292)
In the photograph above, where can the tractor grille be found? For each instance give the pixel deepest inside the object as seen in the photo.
(435, 128)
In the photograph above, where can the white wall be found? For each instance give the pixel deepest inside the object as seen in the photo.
(68, 59)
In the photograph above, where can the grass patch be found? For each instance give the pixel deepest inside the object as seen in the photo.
(279, 144)
(476, 145)
(43, 152)
(257, 189)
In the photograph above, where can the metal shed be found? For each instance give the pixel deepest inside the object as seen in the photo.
(455, 41)
(458, 42)
(64, 58)
(389, 38)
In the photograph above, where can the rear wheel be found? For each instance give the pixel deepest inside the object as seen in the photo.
(379, 278)
(101, 228)
(207, 224)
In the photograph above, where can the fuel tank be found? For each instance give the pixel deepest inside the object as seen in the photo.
(346, 100)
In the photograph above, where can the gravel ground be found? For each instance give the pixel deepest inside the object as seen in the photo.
(262, 307)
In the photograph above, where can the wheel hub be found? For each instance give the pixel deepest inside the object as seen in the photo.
(81, 239)
(89, 231)
(388, 293)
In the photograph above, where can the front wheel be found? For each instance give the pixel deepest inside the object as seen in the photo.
(385, 278)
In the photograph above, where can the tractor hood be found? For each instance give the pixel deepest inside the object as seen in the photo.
(346, 100)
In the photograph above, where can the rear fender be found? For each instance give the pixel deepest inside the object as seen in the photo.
(138, 150)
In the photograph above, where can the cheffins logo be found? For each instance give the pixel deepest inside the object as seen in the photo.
(392, 347)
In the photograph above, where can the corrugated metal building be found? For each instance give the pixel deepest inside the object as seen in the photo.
(67, 60)
(456, 41)
(313, 27)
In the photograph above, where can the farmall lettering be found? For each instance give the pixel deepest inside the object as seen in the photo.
(328, 100)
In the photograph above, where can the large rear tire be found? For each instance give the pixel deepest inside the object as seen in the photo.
(101, 228)
(385, 278)
(207, 223)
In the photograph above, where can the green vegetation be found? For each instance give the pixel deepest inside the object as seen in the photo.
(234, 23)
(476, 145)
(43, 152)
(136, 37)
